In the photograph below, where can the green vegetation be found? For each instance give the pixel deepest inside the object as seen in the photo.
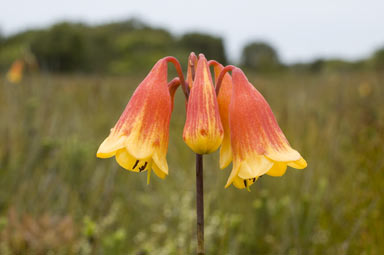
(56, 197)
(260, 57)
(116, 48)
(131, 47)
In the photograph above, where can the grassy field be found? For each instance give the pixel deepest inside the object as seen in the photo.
(56, 197)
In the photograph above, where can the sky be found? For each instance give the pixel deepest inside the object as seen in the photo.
(300, 30)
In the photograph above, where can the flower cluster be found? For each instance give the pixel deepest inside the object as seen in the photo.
(229, 112)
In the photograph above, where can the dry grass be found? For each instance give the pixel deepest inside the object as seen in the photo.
(51, 127)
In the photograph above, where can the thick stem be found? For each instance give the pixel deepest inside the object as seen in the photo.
(179, 71)
(200, 204)
(221, 77)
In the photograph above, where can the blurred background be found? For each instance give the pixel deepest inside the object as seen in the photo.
(67, 70)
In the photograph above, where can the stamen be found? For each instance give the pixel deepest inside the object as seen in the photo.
(254, 179)
(148, 176)
(135, 165)
(245, 183)
(143, 166)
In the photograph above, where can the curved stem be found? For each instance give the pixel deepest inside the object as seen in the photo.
(174, 84)
(179, 71)
(221, 77)
(172, 87)
(213, 63)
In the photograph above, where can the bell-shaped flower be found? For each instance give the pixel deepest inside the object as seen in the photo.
(139, 140)
(203, 131)
(258, 145)
(223, 99)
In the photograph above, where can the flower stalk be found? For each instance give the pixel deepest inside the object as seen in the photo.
(200, 204)
(179, 71)
(221, 77)
(192, 61)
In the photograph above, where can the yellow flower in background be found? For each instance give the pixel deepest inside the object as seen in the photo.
(15, 72)
(258, 145)
(139, 140)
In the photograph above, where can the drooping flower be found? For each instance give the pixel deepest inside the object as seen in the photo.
(258, 145)
(203, 131)
(223, 99)
(139, 140)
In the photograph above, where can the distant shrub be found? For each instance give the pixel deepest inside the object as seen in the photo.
(139, 49)
(260, 56)
(61, 48)
(378, 59)
(211, 46)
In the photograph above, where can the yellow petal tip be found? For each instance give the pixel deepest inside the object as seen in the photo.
(105, 155)
(298, 164)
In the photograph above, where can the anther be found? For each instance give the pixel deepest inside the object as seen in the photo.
(135, 165)
(143, 166)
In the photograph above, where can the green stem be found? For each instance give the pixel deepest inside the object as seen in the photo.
(200, 204)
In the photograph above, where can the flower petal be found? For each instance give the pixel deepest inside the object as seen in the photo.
(284, 153)
(223, 100)
(225, 152)
(160, 161)
(110, 145)
(158, 171)
(234, 173)
(128, 162)
(278, 169)
(244, 183)
(254, 166)
(298, 164)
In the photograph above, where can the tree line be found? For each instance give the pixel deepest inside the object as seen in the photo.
(132, 46)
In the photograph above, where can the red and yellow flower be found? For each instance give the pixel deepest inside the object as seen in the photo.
(258, 145)
(238, 118)
(203, 131)
(139, 140)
